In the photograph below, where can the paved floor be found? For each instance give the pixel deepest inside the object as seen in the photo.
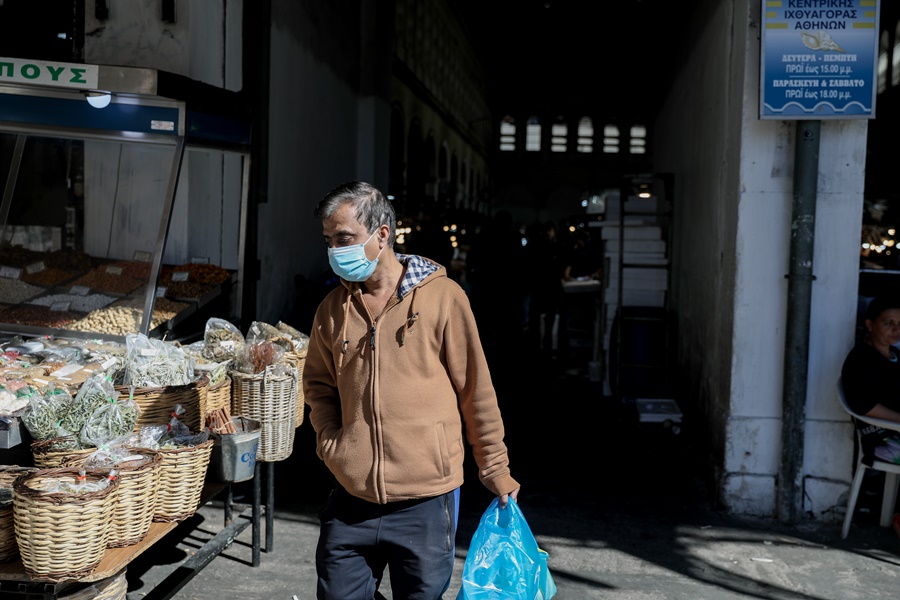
(623, 510)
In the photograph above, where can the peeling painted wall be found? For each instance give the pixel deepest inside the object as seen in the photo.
(733, 199)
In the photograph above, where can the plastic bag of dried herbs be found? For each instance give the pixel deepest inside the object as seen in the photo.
(96, 391)
(300, 339)
(43, 414)
(147, 436)
(214, 371)
(222, 340)
(155, 363)
(80, 484)
(111, 454)
(179, 434)
(263, 332)
(256, 356)
(112, 420)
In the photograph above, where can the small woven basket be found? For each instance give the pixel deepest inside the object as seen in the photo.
(47, 454)
(218, 396)
(271, 399)
(8, 547)
(111, 588)
(158, 403)
(138, 486)
(182, 472)
(297, 359)
(62, 535)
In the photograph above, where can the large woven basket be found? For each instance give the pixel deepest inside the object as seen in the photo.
(62, 535)
(182, 473)
(111, 588)
(158, 403)
(297, 359)
(271, 399)
(46, 456)
(138, 487)
(8, 547)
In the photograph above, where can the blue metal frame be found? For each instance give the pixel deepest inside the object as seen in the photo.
(76, 113)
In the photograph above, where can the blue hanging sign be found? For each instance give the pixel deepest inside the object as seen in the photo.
(818, 59)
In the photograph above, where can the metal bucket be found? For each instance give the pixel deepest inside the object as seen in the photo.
(234, 454)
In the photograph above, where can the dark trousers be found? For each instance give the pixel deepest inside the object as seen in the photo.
(414, 539)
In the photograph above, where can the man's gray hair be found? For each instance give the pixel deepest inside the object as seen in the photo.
(371, 207)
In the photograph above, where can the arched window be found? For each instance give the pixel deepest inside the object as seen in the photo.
(559, 135)
(585, 135)
(638, 140)
(533, 135)
(507, 134)
(610, 139)
(895, 57)
(882, 62)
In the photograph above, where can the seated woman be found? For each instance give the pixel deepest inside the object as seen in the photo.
(871, 379)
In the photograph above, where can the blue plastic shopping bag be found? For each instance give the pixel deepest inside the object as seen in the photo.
(504, 561)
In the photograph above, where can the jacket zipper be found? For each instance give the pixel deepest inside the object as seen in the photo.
(372, 337)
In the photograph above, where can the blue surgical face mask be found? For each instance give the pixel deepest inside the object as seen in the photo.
(350, 262)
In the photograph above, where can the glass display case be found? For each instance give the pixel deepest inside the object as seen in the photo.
(124, 199)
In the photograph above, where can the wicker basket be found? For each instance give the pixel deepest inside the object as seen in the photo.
(157, 403)
(111, 588)
(297, 359)
(62, 535)
(46, 457)
(218, 396)
(271, 399)
(181, 476)
(138, 487)
(8, 547)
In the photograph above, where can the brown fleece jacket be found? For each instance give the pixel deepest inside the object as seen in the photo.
(389, 410)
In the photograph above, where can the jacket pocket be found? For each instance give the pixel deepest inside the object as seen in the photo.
(443, 449)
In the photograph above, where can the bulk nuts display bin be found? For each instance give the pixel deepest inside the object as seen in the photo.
(124, 201)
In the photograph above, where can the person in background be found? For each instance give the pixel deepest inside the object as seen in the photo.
(498, 274)
(548, 262)
(871, 378)
(394, 377)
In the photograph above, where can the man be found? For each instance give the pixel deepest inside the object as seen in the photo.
(393, 373)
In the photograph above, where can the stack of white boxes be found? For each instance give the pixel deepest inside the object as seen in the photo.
(644, 245)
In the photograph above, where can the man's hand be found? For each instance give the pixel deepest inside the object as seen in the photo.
(504, 499)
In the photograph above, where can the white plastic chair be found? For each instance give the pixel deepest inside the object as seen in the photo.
(891, 471)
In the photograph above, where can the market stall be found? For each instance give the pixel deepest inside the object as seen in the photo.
(122, 222)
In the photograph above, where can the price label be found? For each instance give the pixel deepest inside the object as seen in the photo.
(180, 276)
(161, 292)
(60, 306)
(141, 256)
(149, 351)
(66, 370)
(35, 268)
(200, 260)
(80, 290)
(10, 272)
(113, 270)
(108, 363)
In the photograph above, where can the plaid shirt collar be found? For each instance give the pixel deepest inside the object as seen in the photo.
(417, 269)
